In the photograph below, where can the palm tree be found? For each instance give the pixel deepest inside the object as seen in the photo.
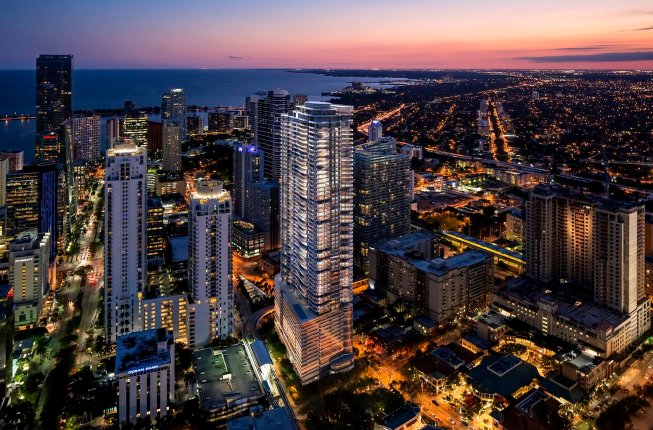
(40, 346)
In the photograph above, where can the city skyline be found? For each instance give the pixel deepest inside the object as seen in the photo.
(465, 34)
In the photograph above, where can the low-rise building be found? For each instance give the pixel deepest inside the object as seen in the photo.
(502, 376)
(258, 419)
(228, 386)
(145, 370)
(407, 417)
(566, 314)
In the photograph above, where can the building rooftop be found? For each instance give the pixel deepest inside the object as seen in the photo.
(401, 417)
(441, 266)
(401, 244)
(276, 419)
(492, 319)
(225, 376)
(179, 248)
(535, 410)
(571, 303)
(502, 374)
(142, 349)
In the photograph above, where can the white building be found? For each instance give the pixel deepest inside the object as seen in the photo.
(313, 292)
(86, 138)
(29, 255)
(374, 131)
(125, 208)
(145, 370)
(209, 254)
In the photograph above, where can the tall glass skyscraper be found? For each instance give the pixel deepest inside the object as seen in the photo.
(54, 103)
(269, 110)
(313, 292)
(173, 109)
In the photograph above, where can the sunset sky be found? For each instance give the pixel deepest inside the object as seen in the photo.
(330, 34)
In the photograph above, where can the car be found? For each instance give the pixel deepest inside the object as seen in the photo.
(435, 402)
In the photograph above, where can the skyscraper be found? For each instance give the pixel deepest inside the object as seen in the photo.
(313, 292)
(32, 202)
(171, 147)
(209, 254)
(86, 138)
(269, 110)
(374, 131)
(54, 102)
(155, 236)
(248, 168)
(173, 109)
(135, 127)
(4, 170)
(381, 196)
(125, 240)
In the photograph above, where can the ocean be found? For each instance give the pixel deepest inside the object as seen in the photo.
(107, 89)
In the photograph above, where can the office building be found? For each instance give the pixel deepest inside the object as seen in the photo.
(154, 136)
(381, 196)
(313, 292)
(247, 169)
(31, 201)
(262, 209)
(221, 121)
(194, 124)
(15, 158)
(54, 103)
(125, 206)
(171, 148)
(173, 110)
(155, 233)
(269, 110)
(145, 371)
(374, 131)
(209, 253)
(135, 128)
(86, 138)
(29, 276)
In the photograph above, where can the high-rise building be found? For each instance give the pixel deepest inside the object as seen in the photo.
(15, 159)
(262, 210)
(313, 292)
(54, 102)
(4, 170)
(154, 136)
(194, 124)
(86, 138)
(135, 127)
(381, 196)
(248, 168)
(32, 202)
(173, 110)
(125, 206)
(269, 110)
(155, 236)
(300, 99)
(29, 256)
(171, 148)
(221, 121)
(49, 147)
(575, 242)
(374, 131)
(209, 254)
(114, 131)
